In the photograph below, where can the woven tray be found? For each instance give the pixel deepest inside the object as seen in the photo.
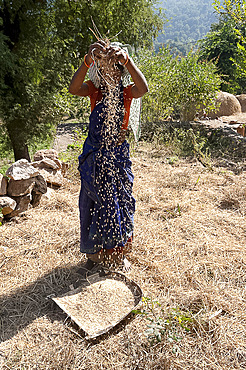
(100, 303)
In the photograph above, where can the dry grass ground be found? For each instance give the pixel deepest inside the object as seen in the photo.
(189, 252)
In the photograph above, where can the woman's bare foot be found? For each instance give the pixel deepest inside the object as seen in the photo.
(87, 268)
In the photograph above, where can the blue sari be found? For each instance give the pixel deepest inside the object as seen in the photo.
(106, 203)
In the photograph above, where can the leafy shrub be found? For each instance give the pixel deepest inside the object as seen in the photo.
(196, 84)
(226, 43)
(221, 45)
(74, 106)
(159, 71)
(177, 86)
(168, 325)
(5, 145)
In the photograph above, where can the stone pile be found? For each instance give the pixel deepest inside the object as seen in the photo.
(26, 182)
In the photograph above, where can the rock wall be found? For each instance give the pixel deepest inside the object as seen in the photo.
(25, 182)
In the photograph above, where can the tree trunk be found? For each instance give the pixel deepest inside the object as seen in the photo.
(21, 152)
(20, 147)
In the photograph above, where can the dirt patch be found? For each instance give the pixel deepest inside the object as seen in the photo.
(66, 134)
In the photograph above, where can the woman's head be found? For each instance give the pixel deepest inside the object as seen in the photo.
(107, 70)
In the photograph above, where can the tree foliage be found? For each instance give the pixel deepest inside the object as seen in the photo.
(225, 43)
(41, 43)
(236, 10)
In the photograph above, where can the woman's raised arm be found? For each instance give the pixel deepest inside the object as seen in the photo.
(77, 85)
(140, 86)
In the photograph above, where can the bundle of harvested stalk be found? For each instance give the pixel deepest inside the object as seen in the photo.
(108, 73)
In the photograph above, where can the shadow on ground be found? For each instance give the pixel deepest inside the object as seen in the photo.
(24, 305)
(68, 127)
(21, 308)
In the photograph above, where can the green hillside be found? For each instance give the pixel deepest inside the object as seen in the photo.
(189, 21)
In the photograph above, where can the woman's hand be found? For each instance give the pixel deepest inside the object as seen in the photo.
(96, 50)
(140, 86)
(77, 85)
(116, 54)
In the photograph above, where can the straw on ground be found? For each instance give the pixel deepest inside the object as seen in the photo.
(189, 252)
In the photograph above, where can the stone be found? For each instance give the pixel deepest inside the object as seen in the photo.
(58, 163)
(7, 205)
(53, 178)
(21, 170)
(47, 163)
(40, 186)
(49, 195)
(64, 168)
(47, 153)
(229, 105)
(241, 130)
(22, 205)
(18, 188)
(242, 100)
(36, 198)
(3, 184)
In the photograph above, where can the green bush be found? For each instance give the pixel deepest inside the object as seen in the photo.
(159, 71)
(177, 86)
(74, 106)
(170, 324)
(226, 43)
(196, 84)
(6, 154)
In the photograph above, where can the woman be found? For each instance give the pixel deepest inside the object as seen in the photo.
(106, 202)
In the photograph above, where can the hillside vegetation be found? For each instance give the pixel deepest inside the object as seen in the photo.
(189, 21)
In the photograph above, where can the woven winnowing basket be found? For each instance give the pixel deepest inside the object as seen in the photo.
(77, 297)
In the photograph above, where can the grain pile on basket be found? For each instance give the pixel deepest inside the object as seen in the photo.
(101, 302)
